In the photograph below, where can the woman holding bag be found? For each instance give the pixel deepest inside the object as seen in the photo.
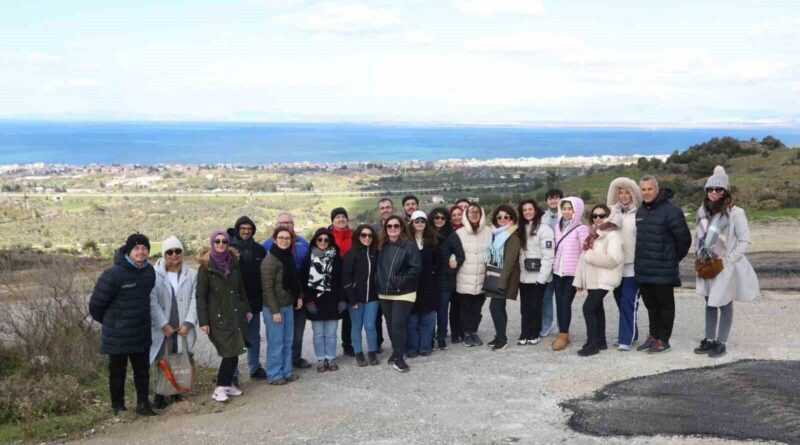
(537, 243)
(722, 234)
(502, 253)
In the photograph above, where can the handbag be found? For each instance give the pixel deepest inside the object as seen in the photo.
(175, 372)
(532, 264)
(491, 283)
(708, 267)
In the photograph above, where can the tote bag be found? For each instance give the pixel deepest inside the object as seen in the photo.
(175, 372)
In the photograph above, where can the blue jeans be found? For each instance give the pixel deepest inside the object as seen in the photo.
(420, 332)
(547, 307)
(441, 314)
(325, 338)
(253, 332)
(365, 317)
(627, 297)
(279, 344)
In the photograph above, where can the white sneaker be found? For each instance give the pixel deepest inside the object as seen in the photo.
(623, 347)
(220, 394)
(522, 342)
(232, 391)
(534, 341)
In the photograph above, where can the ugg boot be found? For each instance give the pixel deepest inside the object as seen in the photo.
(561, 341)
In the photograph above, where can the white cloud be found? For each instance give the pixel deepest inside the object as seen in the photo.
(418, 37)
(340, 18)
(489, 8)
(521, 43)
(69, 84)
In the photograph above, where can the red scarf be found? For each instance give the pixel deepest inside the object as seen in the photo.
(344, 239)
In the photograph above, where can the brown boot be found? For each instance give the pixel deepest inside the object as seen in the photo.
(561, 342)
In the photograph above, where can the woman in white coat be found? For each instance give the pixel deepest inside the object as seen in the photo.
(537, 243)
(474, 237)
(172, 305)
(722, 232)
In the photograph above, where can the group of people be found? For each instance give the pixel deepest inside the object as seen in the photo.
(421, 272)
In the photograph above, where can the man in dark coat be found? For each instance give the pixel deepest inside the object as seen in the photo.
(662, 241)
(121, 303)
(250, 256)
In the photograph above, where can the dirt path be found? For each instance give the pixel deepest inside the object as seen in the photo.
(461, 395)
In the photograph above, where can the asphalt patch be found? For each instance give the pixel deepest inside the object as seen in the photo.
(743, 400)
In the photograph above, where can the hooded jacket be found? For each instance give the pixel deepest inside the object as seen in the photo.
(250, 256)
(222, 304)
(625, 221)
(471, 274)
(662, 241)
(569, 242)
(399, 265)
(601, 266)
(161, 305)
(358, 275)
(121, 303)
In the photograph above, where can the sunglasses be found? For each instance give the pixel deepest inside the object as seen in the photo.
(440, 218)
(365, 235)
(715, 190)
(598, 215)
(171, 252)
(392, 226)
(284, 238)
(323, 240)
(220, 241)
(503, 217)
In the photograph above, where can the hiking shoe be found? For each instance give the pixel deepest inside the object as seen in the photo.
(646, 345)
(659, 347)
(220, 395)
(719, 350)
(301, 364)
(499, 345)
(332, 366)
(143, 409)
(232, 391)
(442, 344)
(705, 347)
(534, 341)
(475, 339)
(258, 374)
(400, 365)
(373, 358)
(361, 360)
(522, 342)
(623, 347)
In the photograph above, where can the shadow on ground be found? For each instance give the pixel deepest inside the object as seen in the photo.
(745, 400)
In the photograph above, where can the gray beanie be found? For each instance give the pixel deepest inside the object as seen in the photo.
(718, 179)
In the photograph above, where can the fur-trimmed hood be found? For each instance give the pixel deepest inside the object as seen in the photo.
(204, 255)
(627, 183)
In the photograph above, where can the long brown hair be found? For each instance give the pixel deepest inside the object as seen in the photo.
(477, 225)
(721, 205)
(430, 236)
(356, 242)
(385, 237)
(524, 230)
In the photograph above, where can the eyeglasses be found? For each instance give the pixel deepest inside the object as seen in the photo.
(392, 226)
(420, 221)
(284, 238)
(598, 215)
(503, 217)
(171, 252)
(365, 235)
(323, 240)
(220, 241)
(440, 218)
(715, 190)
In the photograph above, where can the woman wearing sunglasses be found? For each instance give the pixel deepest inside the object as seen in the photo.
(502, 251)
(422, 320)
(172, 306)
(399, 265)
(450, 256)
(722, 233)
(599, 271)
(223, 310)
(360, 265)
(321, 279)
(474, 238)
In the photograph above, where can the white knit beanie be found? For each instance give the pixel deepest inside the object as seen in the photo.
(718, 179)
(171, 242)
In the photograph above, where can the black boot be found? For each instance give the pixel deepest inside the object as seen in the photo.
(159, 402)
(116, 407)
(143, 409)
(360, 359)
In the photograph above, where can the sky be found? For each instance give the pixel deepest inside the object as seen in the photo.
(421, 61)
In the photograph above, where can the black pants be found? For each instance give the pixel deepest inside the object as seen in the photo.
(471, 306)
(531, 296)
(347, 331)
(660, 304)
(379, 326)
(299, 329)
(595, 316)
(226, 369)
(456, 328)
(118, 367)
(396, 313)
(565, 293)
(497, 307)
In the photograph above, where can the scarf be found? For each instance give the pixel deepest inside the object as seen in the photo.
(320, 274)
(708, 233)
(594, 233)
(221, 259)
(494, 251)
(133, 263)
(289, 267)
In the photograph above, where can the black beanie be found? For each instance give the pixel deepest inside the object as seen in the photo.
(135, 240)
(339, 211)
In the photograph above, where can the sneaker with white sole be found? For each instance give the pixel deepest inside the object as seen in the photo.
(623, 347)
(534, 341)
(220, 394)
(232, 391)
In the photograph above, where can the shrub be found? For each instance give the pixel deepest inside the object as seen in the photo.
(769, 204)
(45, 396)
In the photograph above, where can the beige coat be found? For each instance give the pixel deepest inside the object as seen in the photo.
(625, 221)
(601, 266)
(471, 274)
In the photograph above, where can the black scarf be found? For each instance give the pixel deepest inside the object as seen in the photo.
(289, 271)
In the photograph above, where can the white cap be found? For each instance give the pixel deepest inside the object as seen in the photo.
(171, 242)
(419, 214)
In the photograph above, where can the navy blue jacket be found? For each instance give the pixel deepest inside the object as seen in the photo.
(662, 241)
(121, 303)
(250, 256)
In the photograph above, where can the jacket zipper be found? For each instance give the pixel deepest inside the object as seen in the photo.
(369, 271)
(391, 266)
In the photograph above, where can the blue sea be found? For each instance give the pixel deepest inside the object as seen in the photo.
(81, 143)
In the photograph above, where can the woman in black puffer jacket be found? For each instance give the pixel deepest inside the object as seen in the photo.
(399, 265)
(450, 256)
(422, 320)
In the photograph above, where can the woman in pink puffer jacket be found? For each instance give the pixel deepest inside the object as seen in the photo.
(570, 234)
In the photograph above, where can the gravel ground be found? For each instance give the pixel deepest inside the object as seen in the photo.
(463, 395)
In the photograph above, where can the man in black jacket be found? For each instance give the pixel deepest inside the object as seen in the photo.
(662, 241)
(121, 303)
(251, 254)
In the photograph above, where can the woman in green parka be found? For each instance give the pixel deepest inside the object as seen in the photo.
(223, 310)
